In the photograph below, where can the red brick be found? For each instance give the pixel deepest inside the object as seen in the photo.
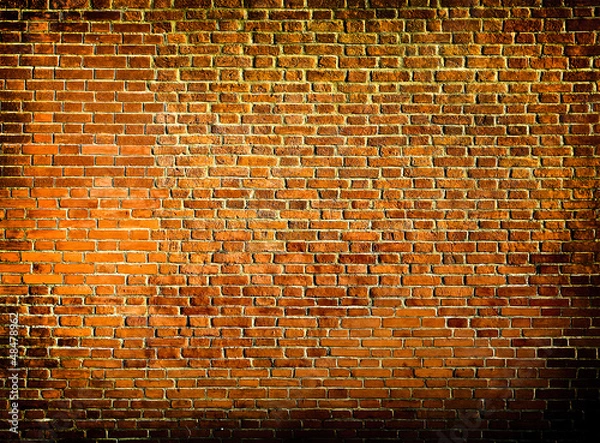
(523, 25)
(583, 24)
(68, 4)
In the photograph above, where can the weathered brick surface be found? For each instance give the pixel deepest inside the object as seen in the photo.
(301, 220)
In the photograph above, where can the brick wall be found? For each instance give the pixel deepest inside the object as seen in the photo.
(309, 220)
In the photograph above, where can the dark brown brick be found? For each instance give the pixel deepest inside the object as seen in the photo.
(69, 4)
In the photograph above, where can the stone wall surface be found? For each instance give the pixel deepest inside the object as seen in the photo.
(300, 220)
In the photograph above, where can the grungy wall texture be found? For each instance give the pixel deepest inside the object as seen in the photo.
(300, 220)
